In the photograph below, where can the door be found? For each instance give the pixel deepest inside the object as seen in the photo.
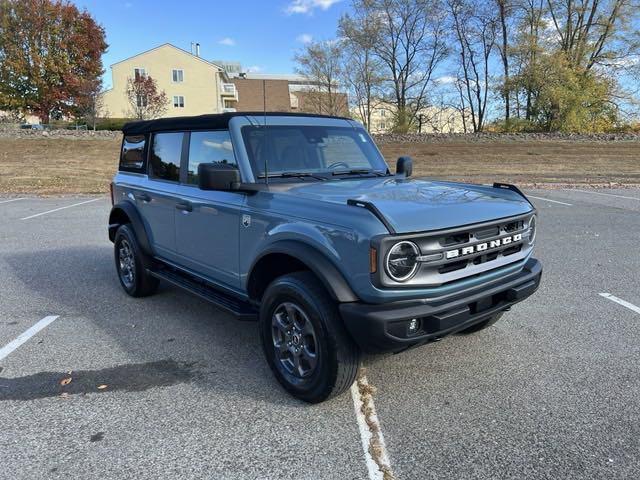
(157, 201)
(207, 223)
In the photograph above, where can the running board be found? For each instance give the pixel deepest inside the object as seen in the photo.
(242, 310)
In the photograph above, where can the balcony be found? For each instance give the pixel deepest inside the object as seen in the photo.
(229, 90)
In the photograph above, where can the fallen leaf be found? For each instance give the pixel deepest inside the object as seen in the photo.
(64, 395)
(102, 387)
(65, 381)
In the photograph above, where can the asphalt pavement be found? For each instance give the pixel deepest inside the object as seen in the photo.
(170, 387)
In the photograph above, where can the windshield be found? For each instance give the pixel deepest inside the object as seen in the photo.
(296, 150)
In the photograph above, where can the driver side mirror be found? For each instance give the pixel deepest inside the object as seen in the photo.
(404, 166)
(218, 176)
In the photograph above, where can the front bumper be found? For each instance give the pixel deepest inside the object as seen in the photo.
(383, 328)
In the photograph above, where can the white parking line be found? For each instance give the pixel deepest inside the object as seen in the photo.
(600, 193)
(61, 208)
(619, 301)
(552, 201)
(12, 200)
(379, 468)
(26, 335)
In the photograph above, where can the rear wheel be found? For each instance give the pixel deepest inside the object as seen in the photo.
(304, 341)
(482, 325)
(132, 264)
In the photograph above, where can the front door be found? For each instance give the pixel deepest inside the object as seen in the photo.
(207, 223)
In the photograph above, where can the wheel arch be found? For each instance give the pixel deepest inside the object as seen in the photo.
(126, 212)
(285, 257)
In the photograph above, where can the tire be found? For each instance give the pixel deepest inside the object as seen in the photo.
(295, 302)
(132, 264)
(482, 325)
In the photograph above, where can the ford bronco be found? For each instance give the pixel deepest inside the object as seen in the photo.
(296, 221)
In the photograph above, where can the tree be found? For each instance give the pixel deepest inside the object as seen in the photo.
(362, 69)
(50, 56)
(410, 42)
(320, 63)
(504, 11)
(145, 100)
(474, 27)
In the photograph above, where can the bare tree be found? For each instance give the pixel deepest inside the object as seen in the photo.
(362, 68)
(321, 64)
(504, 10)
(592, 32)
(410, 43)
(474, 27)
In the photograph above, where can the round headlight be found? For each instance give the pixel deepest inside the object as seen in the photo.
(532, 229)
(401, 261)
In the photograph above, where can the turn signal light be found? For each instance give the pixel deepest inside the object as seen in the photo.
(373, 260)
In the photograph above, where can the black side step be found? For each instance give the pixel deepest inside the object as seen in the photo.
(235, 306)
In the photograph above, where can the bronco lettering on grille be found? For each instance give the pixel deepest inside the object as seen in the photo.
(482, 247)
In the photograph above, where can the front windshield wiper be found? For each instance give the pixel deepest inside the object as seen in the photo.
(357, 171)
(292, 175)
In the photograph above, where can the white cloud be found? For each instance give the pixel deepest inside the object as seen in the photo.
(229, 42)
(308, 6)
(304, 38)
(254, 69)
(445, 80)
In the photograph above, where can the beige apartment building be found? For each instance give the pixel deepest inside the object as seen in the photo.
(430, 119)
(193, 85)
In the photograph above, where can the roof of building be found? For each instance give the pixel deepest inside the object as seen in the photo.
(182, 50)
(209, 121)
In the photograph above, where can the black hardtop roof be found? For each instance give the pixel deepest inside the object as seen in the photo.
(213, 121)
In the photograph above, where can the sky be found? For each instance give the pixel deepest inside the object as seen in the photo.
(263, 35)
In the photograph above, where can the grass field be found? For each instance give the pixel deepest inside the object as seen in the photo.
(58, 165)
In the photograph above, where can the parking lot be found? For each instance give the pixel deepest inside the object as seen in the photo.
(170, 387)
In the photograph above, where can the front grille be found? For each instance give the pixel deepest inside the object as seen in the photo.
(451, 255)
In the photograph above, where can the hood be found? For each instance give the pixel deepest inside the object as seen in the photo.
(415, 205)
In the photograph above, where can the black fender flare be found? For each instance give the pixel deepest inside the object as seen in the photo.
(317, 262)
(131, 211)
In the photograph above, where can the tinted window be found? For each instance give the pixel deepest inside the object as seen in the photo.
(165, 156)
(132, 157)
(209, 147)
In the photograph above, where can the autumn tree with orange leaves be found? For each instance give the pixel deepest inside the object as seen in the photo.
(50, 57)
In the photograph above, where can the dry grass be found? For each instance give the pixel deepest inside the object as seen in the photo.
(58, 166)
(524, 163)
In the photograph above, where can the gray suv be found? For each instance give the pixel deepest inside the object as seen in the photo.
(296, 221)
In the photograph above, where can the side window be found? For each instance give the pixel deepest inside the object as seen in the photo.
(132, 155)
(166, 151)
(209, 147)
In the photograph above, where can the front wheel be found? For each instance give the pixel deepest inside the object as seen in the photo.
(304, 340)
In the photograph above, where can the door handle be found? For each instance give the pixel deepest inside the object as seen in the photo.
(184, 206)
(143, 197)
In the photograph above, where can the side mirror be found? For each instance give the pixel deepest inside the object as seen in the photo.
(218, 176)
(404, 166)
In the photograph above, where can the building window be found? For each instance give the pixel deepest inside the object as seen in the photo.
(141, 100)
(383, 112)
(177, 75)
(178, 101)
(139, 73)
(382, 126)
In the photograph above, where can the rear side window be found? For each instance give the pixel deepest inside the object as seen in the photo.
(166, 151)
(132, 155)
(209, 147)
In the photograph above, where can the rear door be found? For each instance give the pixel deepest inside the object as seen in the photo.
(159, 199)
(207, 223)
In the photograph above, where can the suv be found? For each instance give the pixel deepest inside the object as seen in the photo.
(296, 221)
